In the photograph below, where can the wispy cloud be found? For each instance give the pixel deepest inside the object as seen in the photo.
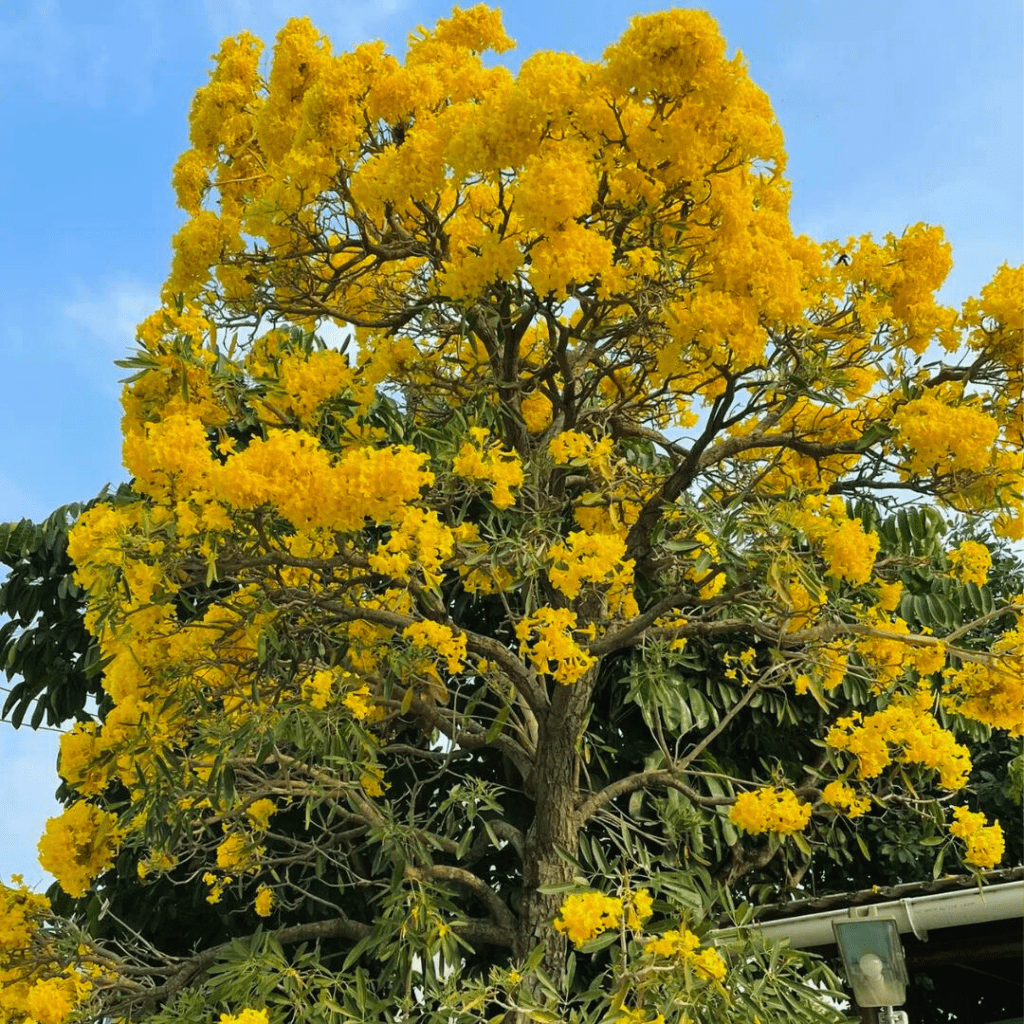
(85, 53)
(106, 316)
(100, 322)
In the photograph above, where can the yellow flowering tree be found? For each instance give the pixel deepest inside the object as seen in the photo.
(427, 657)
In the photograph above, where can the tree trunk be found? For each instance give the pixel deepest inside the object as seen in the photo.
(555, 827)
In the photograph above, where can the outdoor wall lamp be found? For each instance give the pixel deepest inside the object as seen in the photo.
(873, 957)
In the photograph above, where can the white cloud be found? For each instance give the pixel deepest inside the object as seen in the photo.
(98, 327)
(106, 316)
(84, 53)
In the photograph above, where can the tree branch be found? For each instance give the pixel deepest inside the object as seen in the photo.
(517, 672)
(502, 916)
(660, 778)
(189, 970)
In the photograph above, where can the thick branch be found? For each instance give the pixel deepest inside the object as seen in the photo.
(501, 830)
(467, 880)
(661, 778)
(516, 671)
(634, 629)
(473, 930)
(471, 736)
(638, 542)
(189, 970)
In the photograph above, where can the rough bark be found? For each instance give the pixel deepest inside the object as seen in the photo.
(554, 785)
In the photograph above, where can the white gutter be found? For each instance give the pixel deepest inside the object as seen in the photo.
(917, 914)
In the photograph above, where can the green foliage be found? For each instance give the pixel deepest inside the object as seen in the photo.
(45, 649)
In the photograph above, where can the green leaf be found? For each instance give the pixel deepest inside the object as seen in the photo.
(499, 723)
(533, 959)
(560, 887)
(365, 943)
(802, 844)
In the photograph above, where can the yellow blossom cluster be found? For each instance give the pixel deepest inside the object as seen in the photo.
(548, 641)
(436, 636)
(259, 812)
(941, 437)
(264, 901)
(992, 691)
(96, 544)
(889, 594)
(906, 732)
(971, 562)
(246, 1016)
(848, 551)
(201, 242)
(896, 280)
(985, 843)
(583, 916)
(770, 810)
(838, 794)
(995, 326)
(51, 1000)
(217, 884)
(996, 318)
(33, 988)
(597, 558)
(480, 459)
(361, 706)
(172, 459)
(238, 852)
(318, 688)
(682, 945)
(419, 542)
(537, 412)
(885, 651)
(78, 845)
(146, 647)
(79, 759)
(309, 381)
(570, 447)
(179, 375)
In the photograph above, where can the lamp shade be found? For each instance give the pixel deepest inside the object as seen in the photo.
(873, 957)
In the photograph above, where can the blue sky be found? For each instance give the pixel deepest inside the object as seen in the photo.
(894, 112)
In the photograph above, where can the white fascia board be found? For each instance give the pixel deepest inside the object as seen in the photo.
(916, 915)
